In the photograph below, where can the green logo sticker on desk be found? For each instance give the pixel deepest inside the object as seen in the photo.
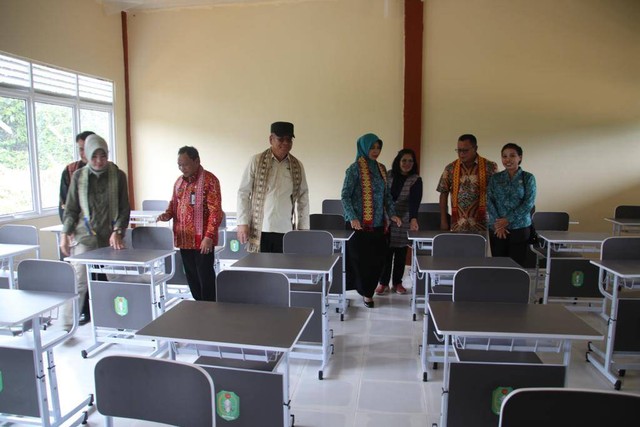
(234, 245)
(577, 279)
(121, 306)
(228, 405)
(498, 395)
(1, 386)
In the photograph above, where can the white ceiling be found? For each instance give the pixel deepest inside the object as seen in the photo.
(115, 6)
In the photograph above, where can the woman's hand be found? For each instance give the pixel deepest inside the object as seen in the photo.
(501, 233)
(413, 225)
(355, 224)
(396, 219)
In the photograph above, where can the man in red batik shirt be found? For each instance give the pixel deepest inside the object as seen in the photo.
(196, 211)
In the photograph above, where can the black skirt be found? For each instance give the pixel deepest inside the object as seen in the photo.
(365, 259)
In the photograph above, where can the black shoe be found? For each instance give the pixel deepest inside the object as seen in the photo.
(84, 319)
(368, 304)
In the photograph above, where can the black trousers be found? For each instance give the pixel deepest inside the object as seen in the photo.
(514, 246)
(394, 261)
(200, 274)
(271, 242)
(365, 257)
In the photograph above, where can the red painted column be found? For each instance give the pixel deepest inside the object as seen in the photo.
(413, 29)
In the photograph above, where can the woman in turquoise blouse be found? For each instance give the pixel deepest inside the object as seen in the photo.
(366, 200)
(511, 196)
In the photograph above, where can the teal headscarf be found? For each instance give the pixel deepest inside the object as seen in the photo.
(364, 144)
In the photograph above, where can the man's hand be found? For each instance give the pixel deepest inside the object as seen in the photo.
(115, 241)
(65, 243)
(206, 247)
(243, 233)
(413, 225)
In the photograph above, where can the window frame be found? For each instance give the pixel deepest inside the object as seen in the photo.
(31, 97)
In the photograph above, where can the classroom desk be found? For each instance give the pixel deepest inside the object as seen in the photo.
(140, 217)
(625, 273)
(500, 320)
(624, 224)
(8, 252)
(320, 268)
(432, 353)
(23, 375)
(340, 238)
(134, 297)
(241, 326)
(567, 243)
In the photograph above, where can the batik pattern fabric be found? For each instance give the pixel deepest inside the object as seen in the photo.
(401, 204)
(467, 212)
(511, 198)
(354, 200)
(183, 205)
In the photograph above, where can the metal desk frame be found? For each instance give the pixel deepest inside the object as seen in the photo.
(126, 262)
(16, 308)
(8, 252)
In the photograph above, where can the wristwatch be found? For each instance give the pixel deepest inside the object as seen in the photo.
(118, 231)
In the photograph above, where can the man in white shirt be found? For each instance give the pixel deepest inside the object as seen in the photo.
(273, 197)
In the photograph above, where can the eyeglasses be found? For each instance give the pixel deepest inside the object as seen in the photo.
(462, 150)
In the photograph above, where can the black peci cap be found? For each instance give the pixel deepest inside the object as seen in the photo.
(282, 129)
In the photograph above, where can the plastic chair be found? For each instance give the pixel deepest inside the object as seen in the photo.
(326, 221)
(430, 220)
(232, 250)
(491, 284)
(561, 407)
(49, 276)
(627, 211)
(556, 221)
(620, 248)
(18, 235)
(154, 205)
(332, 206)
(459, 245)
(253, 287)
(429, 207)
(157, 390)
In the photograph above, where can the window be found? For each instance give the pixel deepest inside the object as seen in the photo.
(42, 108)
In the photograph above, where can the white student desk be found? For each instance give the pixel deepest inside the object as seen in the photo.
(320, 268)
(502, 320)
(340, 238)
(429, 265)
(133, 296)
(240, 326)
(8, 252)
(624, 224)
(568, 242)
(24, 398)
(625, 273)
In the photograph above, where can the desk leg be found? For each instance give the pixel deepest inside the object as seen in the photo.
(343, 250)
(547, 274)
(10, 277)
(325, 325)
(414, 279)
(43, 400)
(286, 397)
(425, 347)
(605, 367)
(445, 383)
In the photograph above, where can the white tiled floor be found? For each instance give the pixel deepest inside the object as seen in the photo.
(372, 380)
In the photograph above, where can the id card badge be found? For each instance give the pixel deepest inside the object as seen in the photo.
(192, 199)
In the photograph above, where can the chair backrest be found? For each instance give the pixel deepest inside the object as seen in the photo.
(429, 220)
(326, 222)
(332, 206)
(429, 207)
(154, 238)
(19, 234)
(627, 211)
(154, 205)
(310, 242)
(459, 245)
(157, 390)
(253, 287)
(620, 248)
(233, 249)
(560, 407)
(491, 284)
(551, 221)
(46, 275)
